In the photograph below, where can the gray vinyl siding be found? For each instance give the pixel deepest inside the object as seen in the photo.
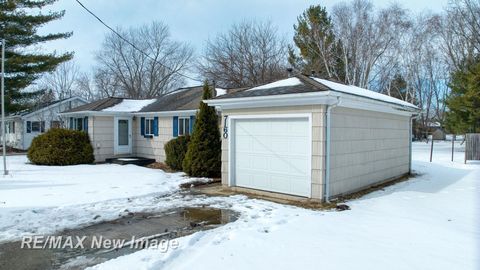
(366, 148)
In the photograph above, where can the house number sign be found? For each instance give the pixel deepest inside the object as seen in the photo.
(225, 127)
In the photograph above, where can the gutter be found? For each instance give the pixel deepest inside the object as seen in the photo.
(327, 150)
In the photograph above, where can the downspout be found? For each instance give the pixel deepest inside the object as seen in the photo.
(410, 137)
(327, 150)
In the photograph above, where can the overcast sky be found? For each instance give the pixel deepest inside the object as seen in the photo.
(189, 20)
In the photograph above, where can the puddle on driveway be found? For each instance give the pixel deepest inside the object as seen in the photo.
(153, 226)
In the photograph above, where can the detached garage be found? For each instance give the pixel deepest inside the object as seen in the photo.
(312, 138)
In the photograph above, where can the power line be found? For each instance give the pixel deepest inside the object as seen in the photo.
(133, 45)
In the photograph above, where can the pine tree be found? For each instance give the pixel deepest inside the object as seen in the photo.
(19, 23)
(203, 157)
(463, 113)
(319, 49)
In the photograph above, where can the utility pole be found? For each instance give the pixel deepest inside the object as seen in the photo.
(4, 148)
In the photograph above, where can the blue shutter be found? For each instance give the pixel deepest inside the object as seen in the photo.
(29, 127)
(155, 126)
(142, 126)
(175, 126)
(85, 124)
(71, 123)
(192, 122)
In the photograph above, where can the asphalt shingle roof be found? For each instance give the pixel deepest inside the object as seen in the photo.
(307, 85)
(97, 105)
(182, 99)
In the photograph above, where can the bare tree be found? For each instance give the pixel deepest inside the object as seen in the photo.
(142, 75)
(459, 28)
(367, 36)
(86, 88)
(62, 80)
(250, 53)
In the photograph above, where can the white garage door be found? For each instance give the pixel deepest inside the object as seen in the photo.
(273, 154)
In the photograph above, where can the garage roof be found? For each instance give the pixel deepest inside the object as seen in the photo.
(306, 84)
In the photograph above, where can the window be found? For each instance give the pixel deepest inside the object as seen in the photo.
(36, 126)
(149, 126)
(183, 126)
(10, 127)
(79, 124)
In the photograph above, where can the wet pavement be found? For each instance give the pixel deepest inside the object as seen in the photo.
(147, 229)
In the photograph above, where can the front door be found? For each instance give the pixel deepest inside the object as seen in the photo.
(123, 135)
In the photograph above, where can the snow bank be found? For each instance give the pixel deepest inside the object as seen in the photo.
(44, 199)
(130, 105)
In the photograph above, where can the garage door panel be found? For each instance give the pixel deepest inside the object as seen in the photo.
(298, 166)
(259, 163)
(273, 155)
(244, 143)
(261, 144)
(299, 146)
(243, 162)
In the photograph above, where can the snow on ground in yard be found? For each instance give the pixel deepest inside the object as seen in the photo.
(46, 199)
(282, 83)
(350, 89)
(130, 105)
(428, 222)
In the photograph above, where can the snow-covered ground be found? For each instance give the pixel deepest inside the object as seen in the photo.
(429, 222)
(46, 199)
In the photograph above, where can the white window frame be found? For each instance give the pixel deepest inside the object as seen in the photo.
(10, 127)
(77, 121)
(185, 131)
(75, 124)
(39, 126)
(148, 125)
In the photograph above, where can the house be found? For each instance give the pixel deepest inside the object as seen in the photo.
(121, 127)
(23, 126)
(314, 138)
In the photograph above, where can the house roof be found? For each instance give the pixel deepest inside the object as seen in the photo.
(182, 99)
(98, 105)
(42, 106)
(305, 84)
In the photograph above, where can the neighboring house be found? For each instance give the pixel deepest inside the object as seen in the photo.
(120, 127)
(23, 126)
(313, 138)
(436, 131)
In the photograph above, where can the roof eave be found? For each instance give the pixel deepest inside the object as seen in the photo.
(95, 113)
(168, 113)
(312, 98)
(54, 105)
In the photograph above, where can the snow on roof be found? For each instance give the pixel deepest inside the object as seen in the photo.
(130, 105)
(354, 90)
(282, 83)
(220, 91)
